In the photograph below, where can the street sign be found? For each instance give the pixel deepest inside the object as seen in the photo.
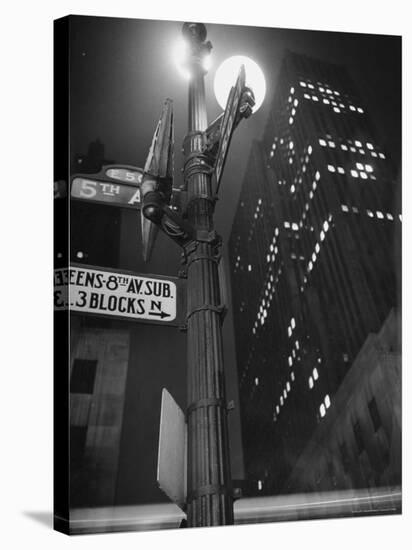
(115, 185)
(227, 127)
(172, 453)
(125, 295)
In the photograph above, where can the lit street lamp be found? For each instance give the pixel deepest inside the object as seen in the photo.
(209, 498)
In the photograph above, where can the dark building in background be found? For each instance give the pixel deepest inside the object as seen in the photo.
(116, 373)
(315, 265)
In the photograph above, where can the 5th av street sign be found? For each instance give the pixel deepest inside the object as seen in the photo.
(115, 185)
(125, 295)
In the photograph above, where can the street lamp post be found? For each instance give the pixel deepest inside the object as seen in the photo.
(209, 499)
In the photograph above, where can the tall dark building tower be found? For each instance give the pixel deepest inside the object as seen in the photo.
(315, 265)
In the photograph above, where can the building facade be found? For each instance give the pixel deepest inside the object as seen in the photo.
(315, 262)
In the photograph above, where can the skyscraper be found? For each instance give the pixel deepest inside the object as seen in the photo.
(315, 263)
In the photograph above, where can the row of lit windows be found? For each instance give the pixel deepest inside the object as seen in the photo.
(284, 395)
(363, 171)
(313, 377)
(337, 107)
(325, 229)
(324, 406)
(355, 146)
(378, 214)
(270, 287)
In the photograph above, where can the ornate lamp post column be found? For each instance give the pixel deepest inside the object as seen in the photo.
(209, 498)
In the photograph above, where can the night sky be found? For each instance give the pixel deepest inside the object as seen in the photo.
(123, 69)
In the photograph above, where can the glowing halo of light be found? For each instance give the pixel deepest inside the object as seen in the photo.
(227, 73)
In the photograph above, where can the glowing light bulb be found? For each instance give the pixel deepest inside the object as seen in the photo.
(226, 76)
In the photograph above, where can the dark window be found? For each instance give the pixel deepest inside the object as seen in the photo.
(83, 376)
(77, 445)
(374, 412)
(358, 436)
(345, 456)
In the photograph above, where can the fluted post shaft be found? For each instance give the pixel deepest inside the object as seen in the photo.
(209, 498)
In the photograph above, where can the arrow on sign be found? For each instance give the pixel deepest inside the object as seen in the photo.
(160, 314)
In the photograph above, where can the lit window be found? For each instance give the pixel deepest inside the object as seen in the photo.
(310, 149)
(355, 209)
(360, 110)
(326, 101)
(369, 146)
(310, 266)
(314, 185)
(317, 176)
(353, 149)
(327, 401)
(379, 215)
(256, 381)
(359, 166)
(281, 400)
(260, 485)
(352, 108)
(322, 142)
(285, 395)
(249, 267)
(276, 232)
(286, 224)
(322, 235)
(292, 376)
(292, 90)
(268, 258)
(292, 188)
(313, 257)
(317, 248)
(328, 91)
(331, 144)
(341, 170)
(290, 360)
(303, 84)
(295, 226)
(389, 216)
(354, 173)
(292, 322)
(277, 409)
(306, 96)
(331, 168)
(370, 214)
(322, 410)
(361, 151)
(336, 109)
(400, 217)
(315, 98)
(381, 155)
(319, 360)
(291, 120)
(287, 387)
(296, 103)
(311, 195)
(374, 154)
(344, 147)
(358, 143)
(345, 208)
(310, 382)
(325, 226)
(315, 373)
(293, 112)
(363, 175)
(289, 99)
(297, 344)
(368, 168)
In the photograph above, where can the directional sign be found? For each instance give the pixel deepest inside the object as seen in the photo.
(125, 295)
(227, 127)
(115, 185)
